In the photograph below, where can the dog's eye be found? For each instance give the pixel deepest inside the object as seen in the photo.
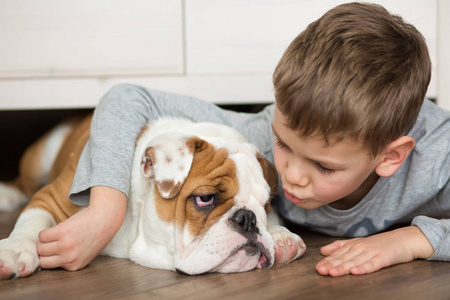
(205, 200)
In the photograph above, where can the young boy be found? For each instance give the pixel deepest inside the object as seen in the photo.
(356, 147)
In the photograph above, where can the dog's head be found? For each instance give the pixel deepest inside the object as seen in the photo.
(206, 196)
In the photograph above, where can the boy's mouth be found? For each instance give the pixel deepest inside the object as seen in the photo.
(292, 198)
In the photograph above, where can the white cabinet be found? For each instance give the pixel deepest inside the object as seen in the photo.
(65, 53)
(443, 66)
(55, 38)
(248, 37)
(235, 36)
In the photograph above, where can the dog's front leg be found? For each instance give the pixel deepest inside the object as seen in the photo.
(288, 246)
(18, 255)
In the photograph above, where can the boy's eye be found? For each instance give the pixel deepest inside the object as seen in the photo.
(280, 143)
(323, 169)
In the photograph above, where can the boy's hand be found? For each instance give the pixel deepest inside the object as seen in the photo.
(73, 243)
(366, 255)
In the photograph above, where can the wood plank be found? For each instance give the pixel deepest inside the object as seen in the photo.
(107, 277)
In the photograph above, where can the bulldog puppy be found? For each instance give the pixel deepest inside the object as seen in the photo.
(198, 202)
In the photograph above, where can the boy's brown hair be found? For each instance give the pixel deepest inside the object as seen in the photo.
(357, 72)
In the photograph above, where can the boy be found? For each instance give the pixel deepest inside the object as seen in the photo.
(349, 90)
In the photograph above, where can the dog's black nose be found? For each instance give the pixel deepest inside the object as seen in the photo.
(246, 219)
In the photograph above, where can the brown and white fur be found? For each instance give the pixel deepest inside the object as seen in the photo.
(198, 200)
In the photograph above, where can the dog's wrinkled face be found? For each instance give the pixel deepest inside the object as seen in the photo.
(213, 195)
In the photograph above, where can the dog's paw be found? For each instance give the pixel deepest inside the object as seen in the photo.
(288, 246)
(18, 258)
(11, 198)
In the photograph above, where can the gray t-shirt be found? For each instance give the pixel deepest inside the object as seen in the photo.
(418, 193)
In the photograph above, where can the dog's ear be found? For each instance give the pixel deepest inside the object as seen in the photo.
(167, 160)
(271, 176)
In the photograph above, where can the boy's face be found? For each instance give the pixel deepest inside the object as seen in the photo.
(315, 174)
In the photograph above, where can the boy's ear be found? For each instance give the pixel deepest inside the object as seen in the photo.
(394, 156)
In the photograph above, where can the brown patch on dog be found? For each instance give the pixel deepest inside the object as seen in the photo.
(196, 144)
(143, 132)
(54, 196)
(169, 187)
(212, 173)
(164, 207)
(32, 175)
(271, 176)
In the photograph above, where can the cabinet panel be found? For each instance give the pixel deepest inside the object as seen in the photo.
(71, 93)
(443, 84)
(235, 36)
(84, 38)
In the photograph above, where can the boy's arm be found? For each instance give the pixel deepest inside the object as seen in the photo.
(73, 243)
(366, 255)
(437, 232)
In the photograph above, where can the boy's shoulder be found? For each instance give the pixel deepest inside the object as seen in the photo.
(429, 162)
(426, 171)
(433, 122)
(429, 105)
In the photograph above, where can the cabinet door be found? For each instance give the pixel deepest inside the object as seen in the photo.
(83, 38)
(249, 37)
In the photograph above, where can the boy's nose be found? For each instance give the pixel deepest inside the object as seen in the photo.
(296, 175)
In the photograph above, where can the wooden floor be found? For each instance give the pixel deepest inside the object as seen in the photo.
(112, 278)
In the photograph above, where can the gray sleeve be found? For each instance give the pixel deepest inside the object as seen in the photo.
(433, 219)
(438, 233)
(431, 178)
(106, 159)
